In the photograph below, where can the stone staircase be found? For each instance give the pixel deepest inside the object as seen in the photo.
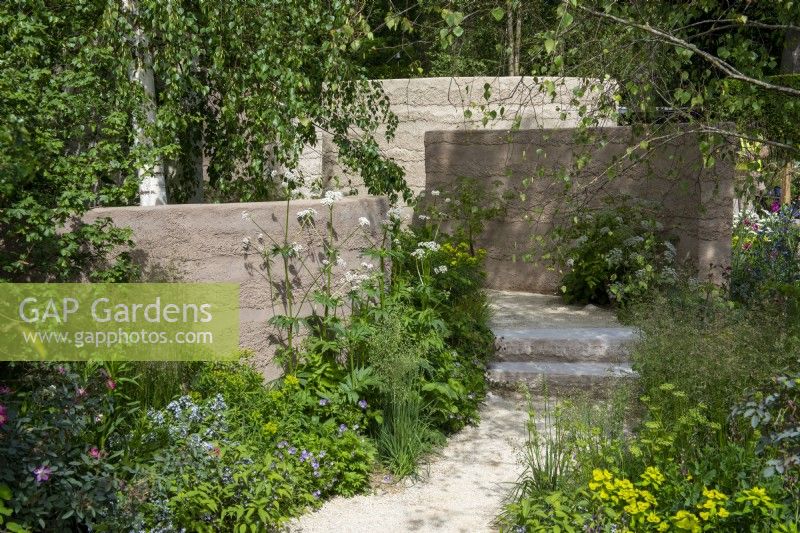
(560, 348)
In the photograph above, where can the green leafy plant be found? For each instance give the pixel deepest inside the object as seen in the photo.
(766, 255)
(60, 451)
(613, 255)
(775, 413)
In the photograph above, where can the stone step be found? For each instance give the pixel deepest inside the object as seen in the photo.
(556, 378)
(565, 344)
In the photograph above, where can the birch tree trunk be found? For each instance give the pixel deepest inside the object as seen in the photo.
(152, 185)
(790, 64)
(510, 34)
(518, 40)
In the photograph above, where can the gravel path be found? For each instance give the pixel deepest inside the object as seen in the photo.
(461, 490)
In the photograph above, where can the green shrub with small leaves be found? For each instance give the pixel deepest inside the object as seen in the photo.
(613, 256)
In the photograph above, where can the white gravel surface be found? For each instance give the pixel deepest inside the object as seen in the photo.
(461, 489)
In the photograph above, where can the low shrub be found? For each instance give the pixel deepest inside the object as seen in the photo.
(766, 254)
(677, 472)
(56, 422)
(710, 347)
(613, 255)
(775, 412)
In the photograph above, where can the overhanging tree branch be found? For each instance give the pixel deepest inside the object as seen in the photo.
(718, 63)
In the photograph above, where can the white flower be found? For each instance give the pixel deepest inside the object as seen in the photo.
(423, 217)
(419, 253)
(331, 197)
(363, 222)
(297, 248)
(633, 241)
(368, 266)
(447, 200)
(440, 269)
(395, 213)
(430, 245)
(289, 178)
(435, 193)
(325, 262)
(307, 214)
(245, 215)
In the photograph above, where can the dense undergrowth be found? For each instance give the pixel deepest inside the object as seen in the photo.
(708, 439)
(388, 366)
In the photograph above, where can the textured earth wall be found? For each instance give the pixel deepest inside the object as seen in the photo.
(425, 104)
(547, 175)
(203, 243)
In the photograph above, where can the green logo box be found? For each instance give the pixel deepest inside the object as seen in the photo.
(119, 321)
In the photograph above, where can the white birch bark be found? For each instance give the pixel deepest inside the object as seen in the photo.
(152, 185)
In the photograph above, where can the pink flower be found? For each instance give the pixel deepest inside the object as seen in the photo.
(95, 453)
(81, 392)
(775, 207)
(42, 473)
(62, 370)
(3, 415)
(111, 384)
(5, 389)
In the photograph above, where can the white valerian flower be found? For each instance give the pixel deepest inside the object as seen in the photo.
(447, 200)
(423, 217)
(289, 178)
(430, 245)
(368, 266)
(297, 248)
(307, 215)
(435, 193)
(363, 222)
(331, 197)
(395, 213)
(325, 262)
(440, 269)
(419, 253)
(245, 215)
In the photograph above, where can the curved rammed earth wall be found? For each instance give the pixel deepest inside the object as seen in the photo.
(203, 243)
(694, 203)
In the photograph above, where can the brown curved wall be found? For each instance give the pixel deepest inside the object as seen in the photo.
(695, 204)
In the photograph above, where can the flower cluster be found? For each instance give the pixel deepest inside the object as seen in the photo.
(424, 247)
(714, 506)
(307, 215)
(639, 503)
(331, 197)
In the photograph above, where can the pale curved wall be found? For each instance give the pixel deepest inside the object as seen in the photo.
(203, 243)
(427, 104)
